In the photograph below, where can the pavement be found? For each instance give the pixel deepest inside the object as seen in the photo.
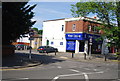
(21, 59)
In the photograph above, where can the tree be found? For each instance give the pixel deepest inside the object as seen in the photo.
(36, 29)
(40, 32)
(16, 20)
(108, 13)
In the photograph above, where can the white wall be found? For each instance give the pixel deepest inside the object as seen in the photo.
(52, 31)
(24, 39)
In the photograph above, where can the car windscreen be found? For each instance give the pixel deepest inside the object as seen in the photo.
(41, 47)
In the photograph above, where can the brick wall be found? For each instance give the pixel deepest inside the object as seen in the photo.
(81, 26)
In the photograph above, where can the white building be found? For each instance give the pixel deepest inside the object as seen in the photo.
(54, 34)
(72, 34)
(25, 39)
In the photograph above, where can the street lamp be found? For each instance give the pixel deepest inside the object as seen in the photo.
(90, 43)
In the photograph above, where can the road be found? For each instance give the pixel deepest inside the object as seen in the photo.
(65, 69)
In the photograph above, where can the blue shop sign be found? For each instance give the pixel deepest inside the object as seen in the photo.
(70, 45)
(75, 36)
(82, 36)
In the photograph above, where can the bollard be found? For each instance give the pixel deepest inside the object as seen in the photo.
(55, 52)
(105, 57)
(84, 56)
(72, 55)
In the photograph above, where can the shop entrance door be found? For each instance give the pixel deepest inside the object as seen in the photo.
(81, 46)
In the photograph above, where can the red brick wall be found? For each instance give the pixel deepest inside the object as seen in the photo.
(79, 26)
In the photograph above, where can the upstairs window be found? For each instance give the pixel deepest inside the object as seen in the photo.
(94, 29)
(73, 27)
(89, 28)
(62, 27)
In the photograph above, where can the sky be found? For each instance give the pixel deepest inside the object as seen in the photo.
(50, 11)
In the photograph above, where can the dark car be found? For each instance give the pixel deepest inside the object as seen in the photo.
(46, 49)
(22, 47)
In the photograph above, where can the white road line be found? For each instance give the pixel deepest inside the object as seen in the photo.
(69, 75)
(100, 72)
(59, 67)
(17, 79)
(95, 69)
(86, 68)
(55, 78)
(86, 77)
(74, 70)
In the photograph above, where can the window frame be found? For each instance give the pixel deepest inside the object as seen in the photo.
(73, 27)
(62, 27)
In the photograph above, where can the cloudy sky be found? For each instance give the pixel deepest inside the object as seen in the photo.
(50, 10)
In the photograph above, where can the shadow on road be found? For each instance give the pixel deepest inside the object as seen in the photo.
(22, 59)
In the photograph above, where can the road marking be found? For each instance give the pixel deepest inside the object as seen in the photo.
(100, 72)
(63, 57)
(86, 68)
(59, 67)
(86, 77)
(95, 69)
(74, 70)
(69, 75)
(17, 79)
(55, 78)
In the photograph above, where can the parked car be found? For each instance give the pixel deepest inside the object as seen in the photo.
(22, 47)
(46, 49)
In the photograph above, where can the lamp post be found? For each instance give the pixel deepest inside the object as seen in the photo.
(90, 43)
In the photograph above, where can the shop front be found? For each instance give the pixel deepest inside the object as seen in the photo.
(77, 42)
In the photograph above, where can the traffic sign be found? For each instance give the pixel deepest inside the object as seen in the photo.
(31, 38)
(31, 34)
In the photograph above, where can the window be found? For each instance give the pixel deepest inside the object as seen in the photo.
(51, 43)
(89, 28)
(62, 27)
(73, 27)
(61, 43)
(94, 29)
(47, 42)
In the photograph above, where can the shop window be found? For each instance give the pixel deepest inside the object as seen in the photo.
(73, 27)
(52, 43)
(62, 27)
(61, 43)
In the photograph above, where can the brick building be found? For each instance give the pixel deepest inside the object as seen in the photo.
(72, 34)
(78, 33)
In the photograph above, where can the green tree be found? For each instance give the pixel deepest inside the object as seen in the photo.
(108, 12)
(40, 32)
(16, 20)
(36, 29)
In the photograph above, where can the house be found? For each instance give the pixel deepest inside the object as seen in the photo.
(72, 34)
(54, 34)
(35, 43)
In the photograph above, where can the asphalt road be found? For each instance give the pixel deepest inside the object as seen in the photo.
(66, 69)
